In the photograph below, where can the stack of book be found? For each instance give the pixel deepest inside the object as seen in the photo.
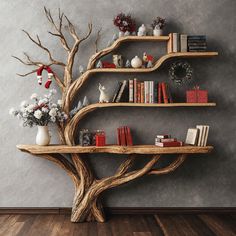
(184, 43)
(197, 43)
(149, 92)
(166, 141)
(124, 137)
(198, 136)
(121, 92)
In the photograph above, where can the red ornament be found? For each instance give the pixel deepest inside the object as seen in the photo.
(106, 64)
(50, 75)
(100, 138)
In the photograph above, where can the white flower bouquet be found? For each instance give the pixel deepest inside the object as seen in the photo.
(41, 112)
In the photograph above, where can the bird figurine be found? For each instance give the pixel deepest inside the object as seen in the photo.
(147, 58)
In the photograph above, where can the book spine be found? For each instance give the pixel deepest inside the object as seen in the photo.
(121, 91)
(165, 97)
(197, 37)
(142, 92)
(129, 137)
(206, 135)
(135, 90)
(169, 144)
(131, 90)
(138, 91)
(161, 136)
(123, 142)
(146, 91)
(118, 136)
(116, 91)
(170, 99)
(170, 44)
(183, 43)
(150, 91)
(159, 92)
(175, 42)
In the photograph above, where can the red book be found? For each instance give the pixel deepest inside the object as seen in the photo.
(159, 92)
(164, 92)
(138, 91)
(169, 144)
(129, 137)
(135, 90)
(118, 136)
(163, 140)
(142, 92)
(123, 141)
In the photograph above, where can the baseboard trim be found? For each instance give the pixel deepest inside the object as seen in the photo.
(122, 210)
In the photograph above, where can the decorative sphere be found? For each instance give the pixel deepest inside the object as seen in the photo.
(136, 62)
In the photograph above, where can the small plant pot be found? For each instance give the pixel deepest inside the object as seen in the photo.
(157, 32)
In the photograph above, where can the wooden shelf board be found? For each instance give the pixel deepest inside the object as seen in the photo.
(143, 38)
(156, 65)
(115, 149)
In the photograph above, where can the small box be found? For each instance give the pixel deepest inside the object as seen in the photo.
(197, 96)
(100, 138)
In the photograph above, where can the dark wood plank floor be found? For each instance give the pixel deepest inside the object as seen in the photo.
(120, 225)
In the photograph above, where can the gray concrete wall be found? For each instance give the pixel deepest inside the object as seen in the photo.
(203, 181)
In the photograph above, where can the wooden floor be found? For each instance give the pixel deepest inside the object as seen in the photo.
(120, 225)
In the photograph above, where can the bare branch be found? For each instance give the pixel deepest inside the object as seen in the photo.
(97, 40)
(58, 29)
(29, 73)
(72, 29)
(125, 165)
(39, 44)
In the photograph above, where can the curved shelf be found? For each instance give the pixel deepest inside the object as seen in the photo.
(79, 82)
(114, 149)
(71, 126)
(118, 42)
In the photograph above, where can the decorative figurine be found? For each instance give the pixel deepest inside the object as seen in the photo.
(146, 59)
(85, 102)
(142, 31)
(81, 69)
(136, 62)
(149, 64)
(128, 64)
(103, 96)
(99, 64)
(118, 61)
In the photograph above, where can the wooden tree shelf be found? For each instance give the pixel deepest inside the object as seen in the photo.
(88, 188)
(114, 149)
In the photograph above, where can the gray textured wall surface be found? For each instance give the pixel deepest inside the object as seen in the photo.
(203, 181)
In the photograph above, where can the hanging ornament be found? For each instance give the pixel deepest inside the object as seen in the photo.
(40, 77)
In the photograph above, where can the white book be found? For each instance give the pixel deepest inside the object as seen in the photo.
(146, 92)
(183, 43)
(131, 90)
(151, 87)
(175, 42)
(192, 136)
(200, 127)
(206, 135)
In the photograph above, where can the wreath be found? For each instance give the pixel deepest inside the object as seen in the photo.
(180, 72)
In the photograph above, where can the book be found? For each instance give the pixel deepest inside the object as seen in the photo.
(170, 44)
(121, 93)
(116, 91)
(196, 37)
(118, 136)
(159, 93)
(163, 136)
(192, 136)
(163, 140)
(169, 144)
(142, 92)
(131, 90)
(151, 92)
(146, 93)
(183, 43)
(206, 135)
(123, 140)
(138, 91)
(135, 90)
(164, 92)
(170, 99)
(176, 43)
(129, 137)
(203, 135)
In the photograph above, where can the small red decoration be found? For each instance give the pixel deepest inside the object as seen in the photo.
(106, 64)
(100, 138)
(50, 75)
(197, 96)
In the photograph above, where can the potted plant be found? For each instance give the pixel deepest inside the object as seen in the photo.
(125, 23)
(158, 25)
(40, 113)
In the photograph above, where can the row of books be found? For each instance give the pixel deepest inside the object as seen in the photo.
(124, 137)
(198, 136)
(186, 43)
(166, 141)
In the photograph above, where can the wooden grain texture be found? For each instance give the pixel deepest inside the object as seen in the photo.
(120, 225)
(113, 149)
(71, 127)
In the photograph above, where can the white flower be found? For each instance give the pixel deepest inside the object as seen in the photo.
(53, 91)
(40, 102)
(59, 102)
(29, 108)
(54, 105)
(53, 112)
(18, 116)
(34, 96)
(38, 114)
(12, 111)
(24, 104)
(53, 119)
(24, 114)
(45, 109)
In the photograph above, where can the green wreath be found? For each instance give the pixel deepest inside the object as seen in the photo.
(180, 72)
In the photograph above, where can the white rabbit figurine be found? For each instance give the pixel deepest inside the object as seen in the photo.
(103, 96)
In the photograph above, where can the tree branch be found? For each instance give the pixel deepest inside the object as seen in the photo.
(124, 167)
(39, 44)
(58, 29)
(170, 168)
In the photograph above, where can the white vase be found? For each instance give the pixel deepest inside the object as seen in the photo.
(136, 62)
(43, 137)
(121, 34)
(157, 32)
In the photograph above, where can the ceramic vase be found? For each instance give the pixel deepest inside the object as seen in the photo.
(43, 137)
(121, 34)
(136, 62)
(157, 32)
